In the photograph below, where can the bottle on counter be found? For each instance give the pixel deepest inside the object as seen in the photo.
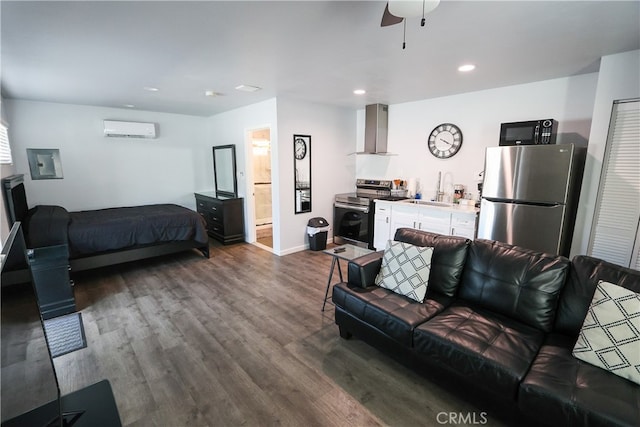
(418, 190)
(458, 193)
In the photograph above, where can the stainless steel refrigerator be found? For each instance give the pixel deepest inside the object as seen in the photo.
(530, 195)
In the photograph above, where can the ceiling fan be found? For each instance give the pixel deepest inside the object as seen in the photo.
(396, 11)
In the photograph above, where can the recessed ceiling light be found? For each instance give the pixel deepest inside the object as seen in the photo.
(212, 93)
(359, 92)
(248, 88)
(151, 88)
(466, 68)
(128, 105)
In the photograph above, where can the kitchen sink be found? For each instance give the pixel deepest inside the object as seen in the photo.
(427, 203)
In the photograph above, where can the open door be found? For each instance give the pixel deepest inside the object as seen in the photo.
(261, 187)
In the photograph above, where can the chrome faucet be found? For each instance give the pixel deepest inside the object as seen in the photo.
(439, 194)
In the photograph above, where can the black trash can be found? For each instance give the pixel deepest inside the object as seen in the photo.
(317, 230)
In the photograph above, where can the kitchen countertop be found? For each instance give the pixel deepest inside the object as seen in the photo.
(433, 205)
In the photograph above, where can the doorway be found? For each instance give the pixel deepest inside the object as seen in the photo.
(261, 156)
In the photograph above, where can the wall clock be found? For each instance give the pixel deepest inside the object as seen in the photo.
(300, 148)
(445, 140)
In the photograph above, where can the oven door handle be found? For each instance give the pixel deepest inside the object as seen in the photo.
(363, 209)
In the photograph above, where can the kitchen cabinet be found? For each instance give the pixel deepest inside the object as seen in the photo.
(463, 224)
(420, 218)
(403, 216)
(446, 220)
(381, 225)
(434, 220)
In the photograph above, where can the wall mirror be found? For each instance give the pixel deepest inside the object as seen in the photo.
(224, 170)
(302, 169)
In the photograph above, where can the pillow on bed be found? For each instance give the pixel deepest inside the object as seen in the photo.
(46, 226)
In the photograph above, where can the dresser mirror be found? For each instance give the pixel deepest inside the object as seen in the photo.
(302, 170)
(224, 170)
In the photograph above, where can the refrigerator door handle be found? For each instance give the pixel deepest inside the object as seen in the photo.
(522, 202)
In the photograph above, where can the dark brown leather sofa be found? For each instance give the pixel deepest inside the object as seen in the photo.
(500, 318)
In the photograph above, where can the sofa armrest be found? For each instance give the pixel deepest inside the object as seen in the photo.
(362, 271)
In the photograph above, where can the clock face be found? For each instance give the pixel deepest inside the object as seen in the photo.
(445, 140)
(300, 148)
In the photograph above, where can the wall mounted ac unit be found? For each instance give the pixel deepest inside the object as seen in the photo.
(117, 129)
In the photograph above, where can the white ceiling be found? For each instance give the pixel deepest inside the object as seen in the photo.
(105, 53)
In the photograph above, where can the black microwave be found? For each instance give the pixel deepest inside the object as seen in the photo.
(533, 132)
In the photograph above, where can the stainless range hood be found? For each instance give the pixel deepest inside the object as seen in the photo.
(375, 132)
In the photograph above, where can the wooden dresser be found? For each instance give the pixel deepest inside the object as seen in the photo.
(224, 216)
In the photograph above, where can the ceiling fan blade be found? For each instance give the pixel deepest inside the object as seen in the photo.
(388, 18)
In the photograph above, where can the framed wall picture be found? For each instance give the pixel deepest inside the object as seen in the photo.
(44, 163)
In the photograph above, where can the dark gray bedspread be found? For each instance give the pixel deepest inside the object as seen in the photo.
(111, 229)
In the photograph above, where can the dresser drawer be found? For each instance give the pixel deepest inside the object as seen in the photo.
(208, 206)
(224, 217)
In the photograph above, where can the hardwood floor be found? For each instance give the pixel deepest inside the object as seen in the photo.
(237, 339)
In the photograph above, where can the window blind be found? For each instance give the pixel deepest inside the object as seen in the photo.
(5, 149)
(615, 228)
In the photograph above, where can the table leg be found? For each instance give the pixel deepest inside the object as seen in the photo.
(326, 293)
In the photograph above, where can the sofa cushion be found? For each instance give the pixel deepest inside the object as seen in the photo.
(405, 269)
(488, 349)
(610, 334)
(447, 262)
(584, 275)
(514, 281)
(394, 315)
(562, 390)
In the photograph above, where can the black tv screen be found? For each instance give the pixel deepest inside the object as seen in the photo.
(28, 378)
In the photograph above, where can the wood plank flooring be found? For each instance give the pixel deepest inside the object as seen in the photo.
(234, 340)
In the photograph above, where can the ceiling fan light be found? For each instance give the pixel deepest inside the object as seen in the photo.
(411, 8)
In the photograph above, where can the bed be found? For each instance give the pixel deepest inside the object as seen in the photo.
(103, 237)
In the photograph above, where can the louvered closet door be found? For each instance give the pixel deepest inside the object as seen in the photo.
(615, 234)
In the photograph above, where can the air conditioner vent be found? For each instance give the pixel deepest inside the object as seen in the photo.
(119, 129)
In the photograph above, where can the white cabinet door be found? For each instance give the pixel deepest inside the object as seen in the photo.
(434, 220)
(403, 216)
(463, 224)
(382, 226)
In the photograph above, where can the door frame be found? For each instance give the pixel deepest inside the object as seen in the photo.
(249, 184)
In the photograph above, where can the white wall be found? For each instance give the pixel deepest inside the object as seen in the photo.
(618, 79)
(104, 172)
(333, 136)
(478, 114)
(101, 172)
(234, 127)
(332, 133)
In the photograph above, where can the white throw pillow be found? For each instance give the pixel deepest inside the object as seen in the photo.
(610, 334)
(405, 269)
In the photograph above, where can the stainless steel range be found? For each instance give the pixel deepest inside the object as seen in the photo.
(353, 213)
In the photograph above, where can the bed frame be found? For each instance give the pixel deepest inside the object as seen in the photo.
(15, 201)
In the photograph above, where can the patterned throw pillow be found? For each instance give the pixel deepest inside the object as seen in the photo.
(610, 334)
(405, 269)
